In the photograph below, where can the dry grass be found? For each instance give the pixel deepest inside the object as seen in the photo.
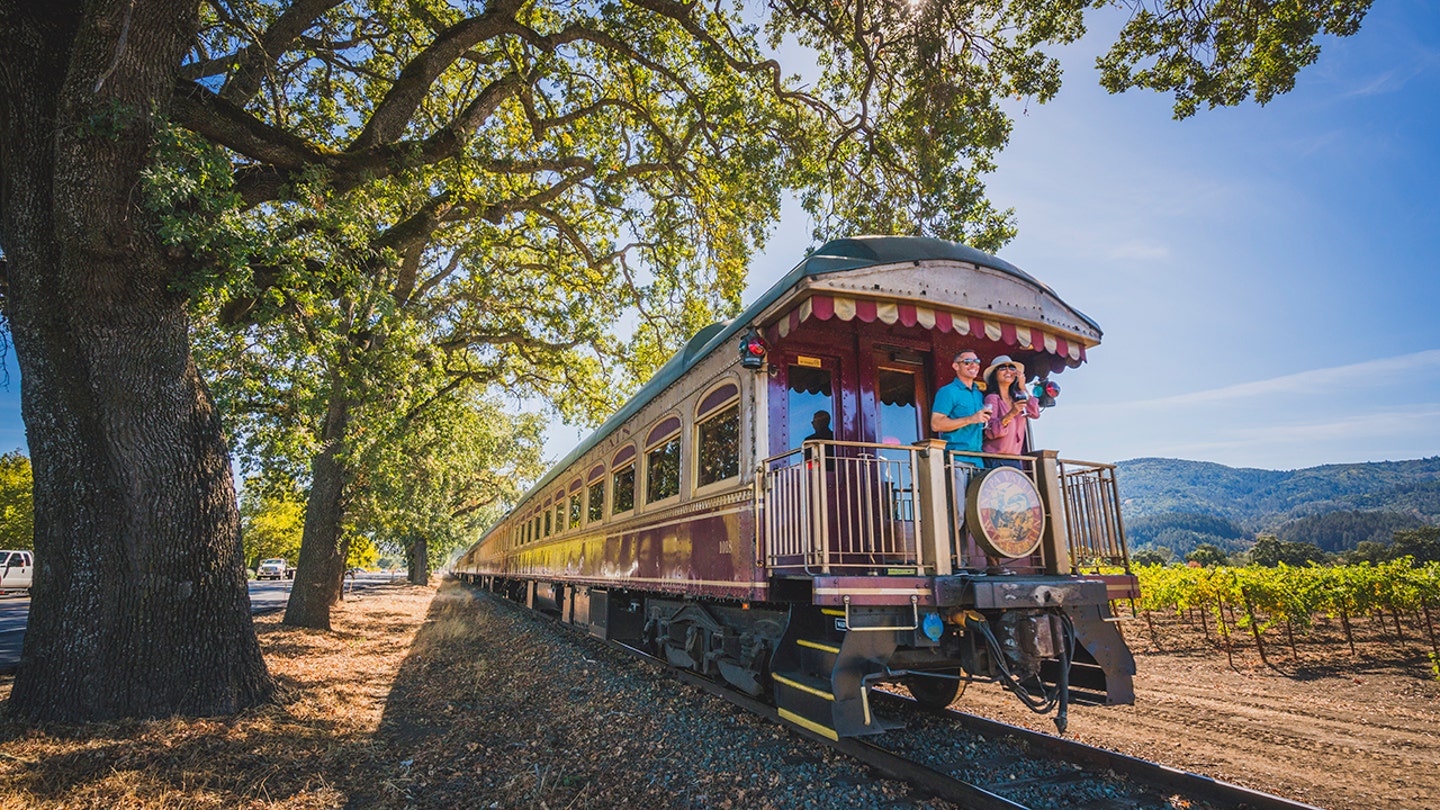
(316, 746)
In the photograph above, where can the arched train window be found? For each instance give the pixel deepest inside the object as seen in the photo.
(662, 461)
(717, 436)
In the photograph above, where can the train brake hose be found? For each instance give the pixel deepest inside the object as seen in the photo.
(1060, 695)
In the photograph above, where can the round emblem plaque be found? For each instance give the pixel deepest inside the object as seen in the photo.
(1004, 513)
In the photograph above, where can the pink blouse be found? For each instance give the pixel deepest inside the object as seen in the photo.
(1008, 439)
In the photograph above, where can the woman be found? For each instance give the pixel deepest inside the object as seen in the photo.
(1005, 432)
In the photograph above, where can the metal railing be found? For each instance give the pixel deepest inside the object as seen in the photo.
(1092, 514)
(840, 506)
(836, 507)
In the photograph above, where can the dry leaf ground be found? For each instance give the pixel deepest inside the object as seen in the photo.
(439, 699)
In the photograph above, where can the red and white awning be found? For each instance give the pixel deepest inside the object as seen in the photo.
(826, 307)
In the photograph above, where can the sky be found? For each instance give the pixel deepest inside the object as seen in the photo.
(1266, 277)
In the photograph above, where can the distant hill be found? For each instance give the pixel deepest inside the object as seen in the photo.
(1178, 503)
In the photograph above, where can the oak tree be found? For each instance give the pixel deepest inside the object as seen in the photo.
(667, 117)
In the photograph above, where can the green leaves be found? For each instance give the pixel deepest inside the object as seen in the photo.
(17, 508)
(392, 203)
(1222, 53)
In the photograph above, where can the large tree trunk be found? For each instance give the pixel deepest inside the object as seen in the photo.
(140, 606)
(419, 563)
(319, 575)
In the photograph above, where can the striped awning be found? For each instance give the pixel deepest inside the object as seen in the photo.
(826, 307)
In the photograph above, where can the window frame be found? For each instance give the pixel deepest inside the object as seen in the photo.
(666, 433)
(707, 410)
(626, 458)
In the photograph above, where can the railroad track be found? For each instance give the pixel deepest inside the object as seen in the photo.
(982, 764)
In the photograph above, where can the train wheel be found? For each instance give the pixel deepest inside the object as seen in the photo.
(935, 693)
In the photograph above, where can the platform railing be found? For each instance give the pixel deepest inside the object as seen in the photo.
(1092, 515)
(832, 506)
(837, 507)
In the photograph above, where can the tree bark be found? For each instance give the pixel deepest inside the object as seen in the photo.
(140, 606)
(419, 563)
(320, 572)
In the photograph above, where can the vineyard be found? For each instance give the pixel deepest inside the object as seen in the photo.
(1263, 603)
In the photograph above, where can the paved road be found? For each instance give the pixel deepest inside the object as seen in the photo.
(266, 596)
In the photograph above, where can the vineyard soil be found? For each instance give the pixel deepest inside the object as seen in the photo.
(1331, 729)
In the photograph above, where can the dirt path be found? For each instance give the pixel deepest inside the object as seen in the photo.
(1342, 735)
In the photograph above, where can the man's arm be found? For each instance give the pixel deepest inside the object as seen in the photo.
(940, 423)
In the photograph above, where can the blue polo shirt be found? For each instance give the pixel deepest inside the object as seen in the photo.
(958, 401)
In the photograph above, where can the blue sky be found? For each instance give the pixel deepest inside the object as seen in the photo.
(1266, 277)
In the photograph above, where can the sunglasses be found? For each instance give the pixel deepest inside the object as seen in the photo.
(968, 361)
(1010, 369)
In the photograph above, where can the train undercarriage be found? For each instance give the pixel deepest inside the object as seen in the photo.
(1043, 638)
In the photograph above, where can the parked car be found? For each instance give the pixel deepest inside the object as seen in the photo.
(276, 568)
(17, 570)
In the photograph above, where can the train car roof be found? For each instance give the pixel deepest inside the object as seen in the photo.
(835, 256)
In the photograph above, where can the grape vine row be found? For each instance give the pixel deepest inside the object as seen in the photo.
(1255, 599)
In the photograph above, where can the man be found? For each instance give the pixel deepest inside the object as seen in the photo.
(821, 423)
(960, 413)
(959, 416)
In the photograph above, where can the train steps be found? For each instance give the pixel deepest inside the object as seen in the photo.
(819, 670)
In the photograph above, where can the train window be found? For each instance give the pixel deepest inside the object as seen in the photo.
(547, 522)
(899, 413)
(720, 396)
(662, 470)
(718, 448)
(575, 511)
(535, 535)
(624, 489)
(597, 500)
(559, 514)
(811, 389)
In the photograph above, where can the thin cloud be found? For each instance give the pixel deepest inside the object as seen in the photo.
(1388, 82)
(1398, 432)
(1354, 375)
(1147, 251)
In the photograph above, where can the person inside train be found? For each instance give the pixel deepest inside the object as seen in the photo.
(1011, 409)
(960, 413)
(821, 422)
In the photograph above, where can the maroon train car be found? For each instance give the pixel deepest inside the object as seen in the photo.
(704, 524)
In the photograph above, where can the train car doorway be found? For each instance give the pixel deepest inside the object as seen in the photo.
(899, 399)
(811, 402)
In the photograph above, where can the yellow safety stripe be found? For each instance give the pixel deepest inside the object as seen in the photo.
(802, 687)
(827, 733)
(815, 645)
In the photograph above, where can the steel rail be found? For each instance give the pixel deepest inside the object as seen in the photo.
(1094, 761)
(1186, 783)
(924, 780)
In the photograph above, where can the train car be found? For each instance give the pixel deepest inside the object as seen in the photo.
(715, 522)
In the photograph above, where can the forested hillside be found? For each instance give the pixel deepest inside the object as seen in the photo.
(1179, 504)
(1264, 499)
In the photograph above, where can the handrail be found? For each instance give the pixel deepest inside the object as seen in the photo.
(829, 506)
(1092, 511)
(858, 496)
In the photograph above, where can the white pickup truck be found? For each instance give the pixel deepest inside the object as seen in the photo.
(17, 570)
(276, 568)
